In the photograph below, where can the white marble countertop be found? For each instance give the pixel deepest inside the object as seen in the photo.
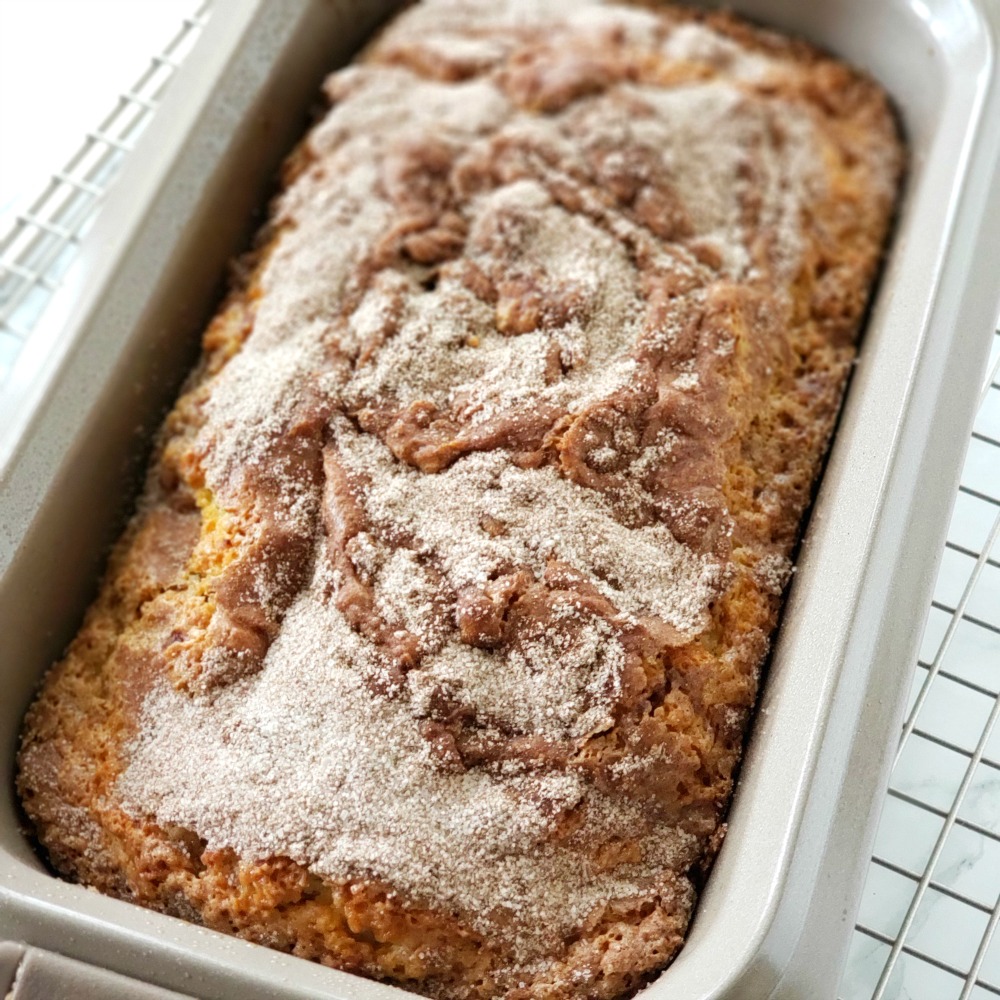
(931, 900)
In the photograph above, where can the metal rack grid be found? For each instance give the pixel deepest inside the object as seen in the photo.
(929, 916)
(43, 240)
(928, 921)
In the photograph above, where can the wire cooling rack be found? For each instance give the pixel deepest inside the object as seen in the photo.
(43, 240)
(931, 906)
(928, 920)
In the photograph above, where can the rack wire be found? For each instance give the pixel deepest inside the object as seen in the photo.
(927, 929)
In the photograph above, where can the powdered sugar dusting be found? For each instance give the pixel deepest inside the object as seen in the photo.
(480, 313)
(560, 683)
(449, 350)
(698, 43)
(569, 290)
(303, 761)
(536, 516)
(773, 570)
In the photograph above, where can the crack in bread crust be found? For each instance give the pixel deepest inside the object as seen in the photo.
(430, 651)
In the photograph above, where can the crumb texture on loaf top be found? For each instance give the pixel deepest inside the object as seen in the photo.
(431, 648)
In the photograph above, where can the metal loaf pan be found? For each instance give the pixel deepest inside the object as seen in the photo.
(776, 916)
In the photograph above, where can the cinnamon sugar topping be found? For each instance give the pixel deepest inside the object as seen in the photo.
(473, 441)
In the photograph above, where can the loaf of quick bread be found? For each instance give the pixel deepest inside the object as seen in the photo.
(430, 650)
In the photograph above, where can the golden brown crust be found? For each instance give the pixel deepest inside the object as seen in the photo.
(735, 362)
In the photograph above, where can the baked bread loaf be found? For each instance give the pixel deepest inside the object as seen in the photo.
(430, 650)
